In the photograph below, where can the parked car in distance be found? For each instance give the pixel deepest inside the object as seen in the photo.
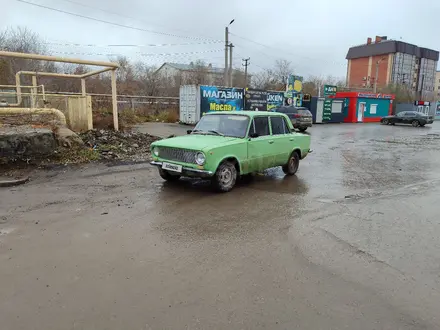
(413, 118)
(300, 117)
(226, 145)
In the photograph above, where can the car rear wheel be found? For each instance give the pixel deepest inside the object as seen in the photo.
(415, 123)
(302, 129)
(225, 177)
(292, 165)
(168, 176)
(385, 122)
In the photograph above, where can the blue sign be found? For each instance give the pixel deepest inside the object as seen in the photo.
(213, 98)
(274, 100)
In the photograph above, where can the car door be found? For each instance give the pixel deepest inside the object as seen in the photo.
(409, 117)
(399, 118)
(260, 154)
(282, 139)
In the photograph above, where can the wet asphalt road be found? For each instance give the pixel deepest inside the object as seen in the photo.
(351, 242)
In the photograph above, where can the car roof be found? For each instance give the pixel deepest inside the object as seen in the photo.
(249, 113)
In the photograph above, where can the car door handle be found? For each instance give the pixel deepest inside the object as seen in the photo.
(271, 141)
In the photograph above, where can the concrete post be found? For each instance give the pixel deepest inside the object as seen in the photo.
(83, 87)
(115, 102)
(34, 91)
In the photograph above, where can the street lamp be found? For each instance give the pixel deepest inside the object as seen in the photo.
(226, 80)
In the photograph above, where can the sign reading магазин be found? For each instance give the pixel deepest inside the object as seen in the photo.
(213, 98)
(255, 99)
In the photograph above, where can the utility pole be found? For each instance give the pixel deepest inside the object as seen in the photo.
(421, 87)
(377, 73)
(226, 78)
(246, 64)
(230, 64)
(226, 56)
(375, 77)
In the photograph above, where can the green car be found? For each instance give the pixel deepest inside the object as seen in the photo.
(226, 145)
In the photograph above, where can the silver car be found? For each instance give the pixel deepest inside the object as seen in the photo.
(300, 117)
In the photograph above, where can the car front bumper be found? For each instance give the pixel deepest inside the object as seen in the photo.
(188, 171)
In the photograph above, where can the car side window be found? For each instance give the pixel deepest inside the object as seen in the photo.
(278, 125)
(401, 114)
(261, 126)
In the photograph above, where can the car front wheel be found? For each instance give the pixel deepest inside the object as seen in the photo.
(385, 121)
(302, 129)
(225, 177)
(168, 176)
(292, 165)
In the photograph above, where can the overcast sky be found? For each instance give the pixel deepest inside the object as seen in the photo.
(314, 35)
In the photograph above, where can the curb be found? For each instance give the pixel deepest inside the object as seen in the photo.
(11, 183)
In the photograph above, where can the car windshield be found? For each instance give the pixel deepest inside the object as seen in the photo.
(223, 125)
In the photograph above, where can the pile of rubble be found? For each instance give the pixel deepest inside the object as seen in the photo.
(112, 145)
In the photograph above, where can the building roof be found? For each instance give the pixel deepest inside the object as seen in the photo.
(391, 46)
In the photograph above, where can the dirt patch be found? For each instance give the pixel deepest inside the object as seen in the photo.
(127, 146)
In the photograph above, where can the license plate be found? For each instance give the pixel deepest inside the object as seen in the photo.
(172, 167)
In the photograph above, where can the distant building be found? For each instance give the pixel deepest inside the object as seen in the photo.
(437, 85)
(396, 62)
(193, 73)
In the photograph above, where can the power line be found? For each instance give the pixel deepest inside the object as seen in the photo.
(132, 45)
(107, 22)
(282, 50)
(119, 14)
(141, 54)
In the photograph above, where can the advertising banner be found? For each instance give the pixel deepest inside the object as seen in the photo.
(213, 98)
(329, 90)
(274, 100)
(255, 99)
(294, 83)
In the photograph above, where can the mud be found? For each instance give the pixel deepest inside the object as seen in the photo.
(350, 242)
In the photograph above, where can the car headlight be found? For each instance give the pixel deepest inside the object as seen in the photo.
(156, 151)
(200, 158)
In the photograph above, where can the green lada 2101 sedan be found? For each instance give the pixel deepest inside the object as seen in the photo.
(226, 145)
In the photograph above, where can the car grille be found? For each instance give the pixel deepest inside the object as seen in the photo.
(178, 155)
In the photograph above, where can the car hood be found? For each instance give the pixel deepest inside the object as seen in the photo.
(195, 141)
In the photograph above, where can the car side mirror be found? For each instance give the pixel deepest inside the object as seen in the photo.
(253, 135)
(189, 131)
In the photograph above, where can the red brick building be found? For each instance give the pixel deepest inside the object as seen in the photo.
(390, 61)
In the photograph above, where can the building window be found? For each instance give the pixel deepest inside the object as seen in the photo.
(373, 109)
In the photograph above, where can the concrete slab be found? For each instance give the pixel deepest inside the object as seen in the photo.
(24, 141)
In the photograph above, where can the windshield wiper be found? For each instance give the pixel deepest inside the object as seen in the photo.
(215, 132)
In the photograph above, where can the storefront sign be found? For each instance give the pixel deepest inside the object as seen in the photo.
(215, 98)
(329, 90)
(274, 100)
(255, 99)
(327, 111)
(375, 96)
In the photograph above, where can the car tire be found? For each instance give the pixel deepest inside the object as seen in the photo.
(302, 129)
(292, 165)
(385, 122)
(167, 176)
(415, 123)
(225, 177)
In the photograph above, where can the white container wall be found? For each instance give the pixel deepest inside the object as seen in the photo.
(319, 110)
(189, 104)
